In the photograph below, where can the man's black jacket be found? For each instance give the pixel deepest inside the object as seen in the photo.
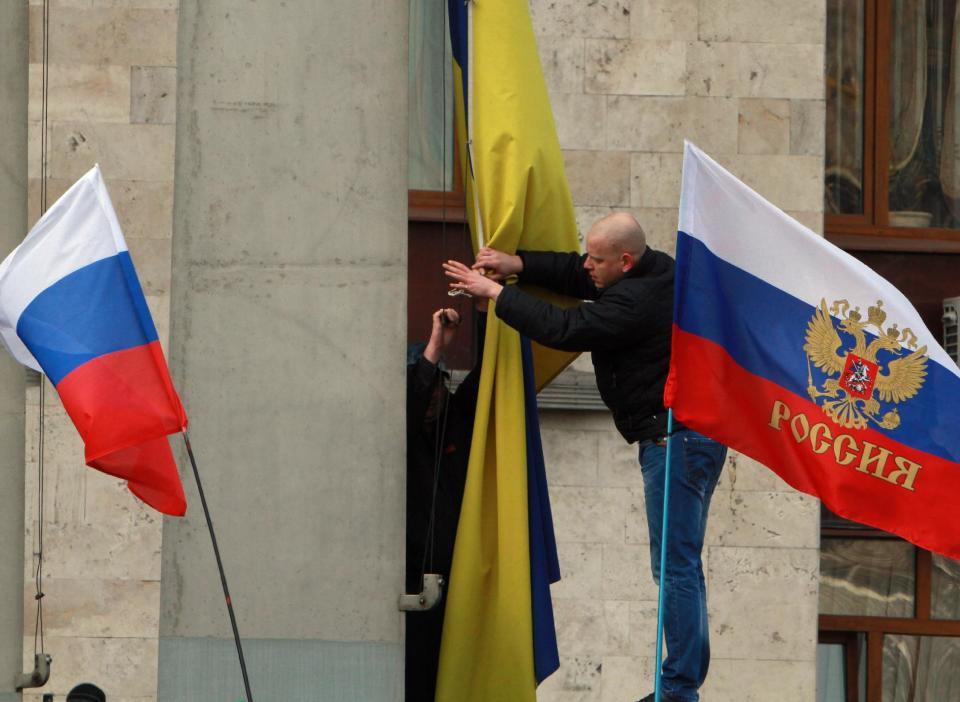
(445, 438)
(627, 328)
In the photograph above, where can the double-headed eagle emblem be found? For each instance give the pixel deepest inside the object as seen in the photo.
(856, 385)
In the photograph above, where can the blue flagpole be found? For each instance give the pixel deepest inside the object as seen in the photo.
(663, 555)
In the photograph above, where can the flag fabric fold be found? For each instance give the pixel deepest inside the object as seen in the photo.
(71, 307)
(791, 351)
(499, 640)
(544, 561)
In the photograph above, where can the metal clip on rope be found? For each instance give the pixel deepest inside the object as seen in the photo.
(428, 597)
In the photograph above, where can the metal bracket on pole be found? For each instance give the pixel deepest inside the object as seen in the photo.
(428, 597)
(39, 676)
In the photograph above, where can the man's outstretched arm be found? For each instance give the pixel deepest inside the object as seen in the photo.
(557, 271)
(599, 325)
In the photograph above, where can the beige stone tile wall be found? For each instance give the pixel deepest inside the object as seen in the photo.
(761, 563)
(111, 100)
(629, 81)
(743, 80)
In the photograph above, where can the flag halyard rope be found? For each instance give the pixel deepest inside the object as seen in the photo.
(38, 647)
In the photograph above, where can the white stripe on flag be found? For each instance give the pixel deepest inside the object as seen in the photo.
(736, 224)
(53, 250)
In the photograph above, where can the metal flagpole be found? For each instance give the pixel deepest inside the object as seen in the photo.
(663, 556)
(468, 119)
(468, 110)
(223, 575)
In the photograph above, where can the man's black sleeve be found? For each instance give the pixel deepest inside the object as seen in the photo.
(422, 378)
(465, 398)
(559, 272)
(608, 323)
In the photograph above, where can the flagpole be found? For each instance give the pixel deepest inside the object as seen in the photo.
(223, 576)
(663, 556)
(468, 113)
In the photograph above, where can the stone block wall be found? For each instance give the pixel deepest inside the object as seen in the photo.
(761, 564)
(111, 100)
(629, 81)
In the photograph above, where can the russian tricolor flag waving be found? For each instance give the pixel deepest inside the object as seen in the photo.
(72, 307)
(794, 353)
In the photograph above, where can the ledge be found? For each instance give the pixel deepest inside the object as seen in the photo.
(571, 390)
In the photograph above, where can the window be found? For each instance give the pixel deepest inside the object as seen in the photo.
(892, 163)
(890, 612)
(867, 577)
(841, 667)
(436, 192)
(889, 618)
(437, 228)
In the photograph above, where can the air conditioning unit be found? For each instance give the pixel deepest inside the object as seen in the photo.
(951, 327)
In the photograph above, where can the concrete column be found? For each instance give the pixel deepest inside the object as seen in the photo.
(288, 322)
(13, 226)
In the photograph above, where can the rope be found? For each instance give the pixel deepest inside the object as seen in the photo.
(429, 537)
(439, 445)
(439, 440)
(457, 295)
(38, 573)
(443, 138)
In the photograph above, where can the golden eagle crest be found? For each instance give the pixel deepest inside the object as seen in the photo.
(853, 398)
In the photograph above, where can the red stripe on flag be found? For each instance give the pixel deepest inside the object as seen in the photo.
(861, 475)
(121, 398)
(150, 472)
(124, 406)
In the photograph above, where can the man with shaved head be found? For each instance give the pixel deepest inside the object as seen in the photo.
(627, 326)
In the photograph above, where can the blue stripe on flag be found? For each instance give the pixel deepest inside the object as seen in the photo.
(97, 309)
(764, 329)
(458, 36)
(544, 563)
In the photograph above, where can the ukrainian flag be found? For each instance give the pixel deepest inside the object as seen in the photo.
(499, 640)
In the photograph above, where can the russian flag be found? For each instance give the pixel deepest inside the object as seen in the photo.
(794, 353)
(71, 306)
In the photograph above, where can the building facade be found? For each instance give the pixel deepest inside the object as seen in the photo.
(257, 155)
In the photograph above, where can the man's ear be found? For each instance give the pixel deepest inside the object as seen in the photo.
(627, 261)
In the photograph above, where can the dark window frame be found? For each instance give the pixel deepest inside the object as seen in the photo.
(436, 228)
(832, 627)
(871, 231)
(438, 205)
(850, 642)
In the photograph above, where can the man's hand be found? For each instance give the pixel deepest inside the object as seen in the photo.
(445, 323)
(498, 265)
(473, 282)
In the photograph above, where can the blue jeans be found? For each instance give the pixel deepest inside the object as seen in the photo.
(695, 465)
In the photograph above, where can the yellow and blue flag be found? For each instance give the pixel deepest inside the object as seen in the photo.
(499, 639)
